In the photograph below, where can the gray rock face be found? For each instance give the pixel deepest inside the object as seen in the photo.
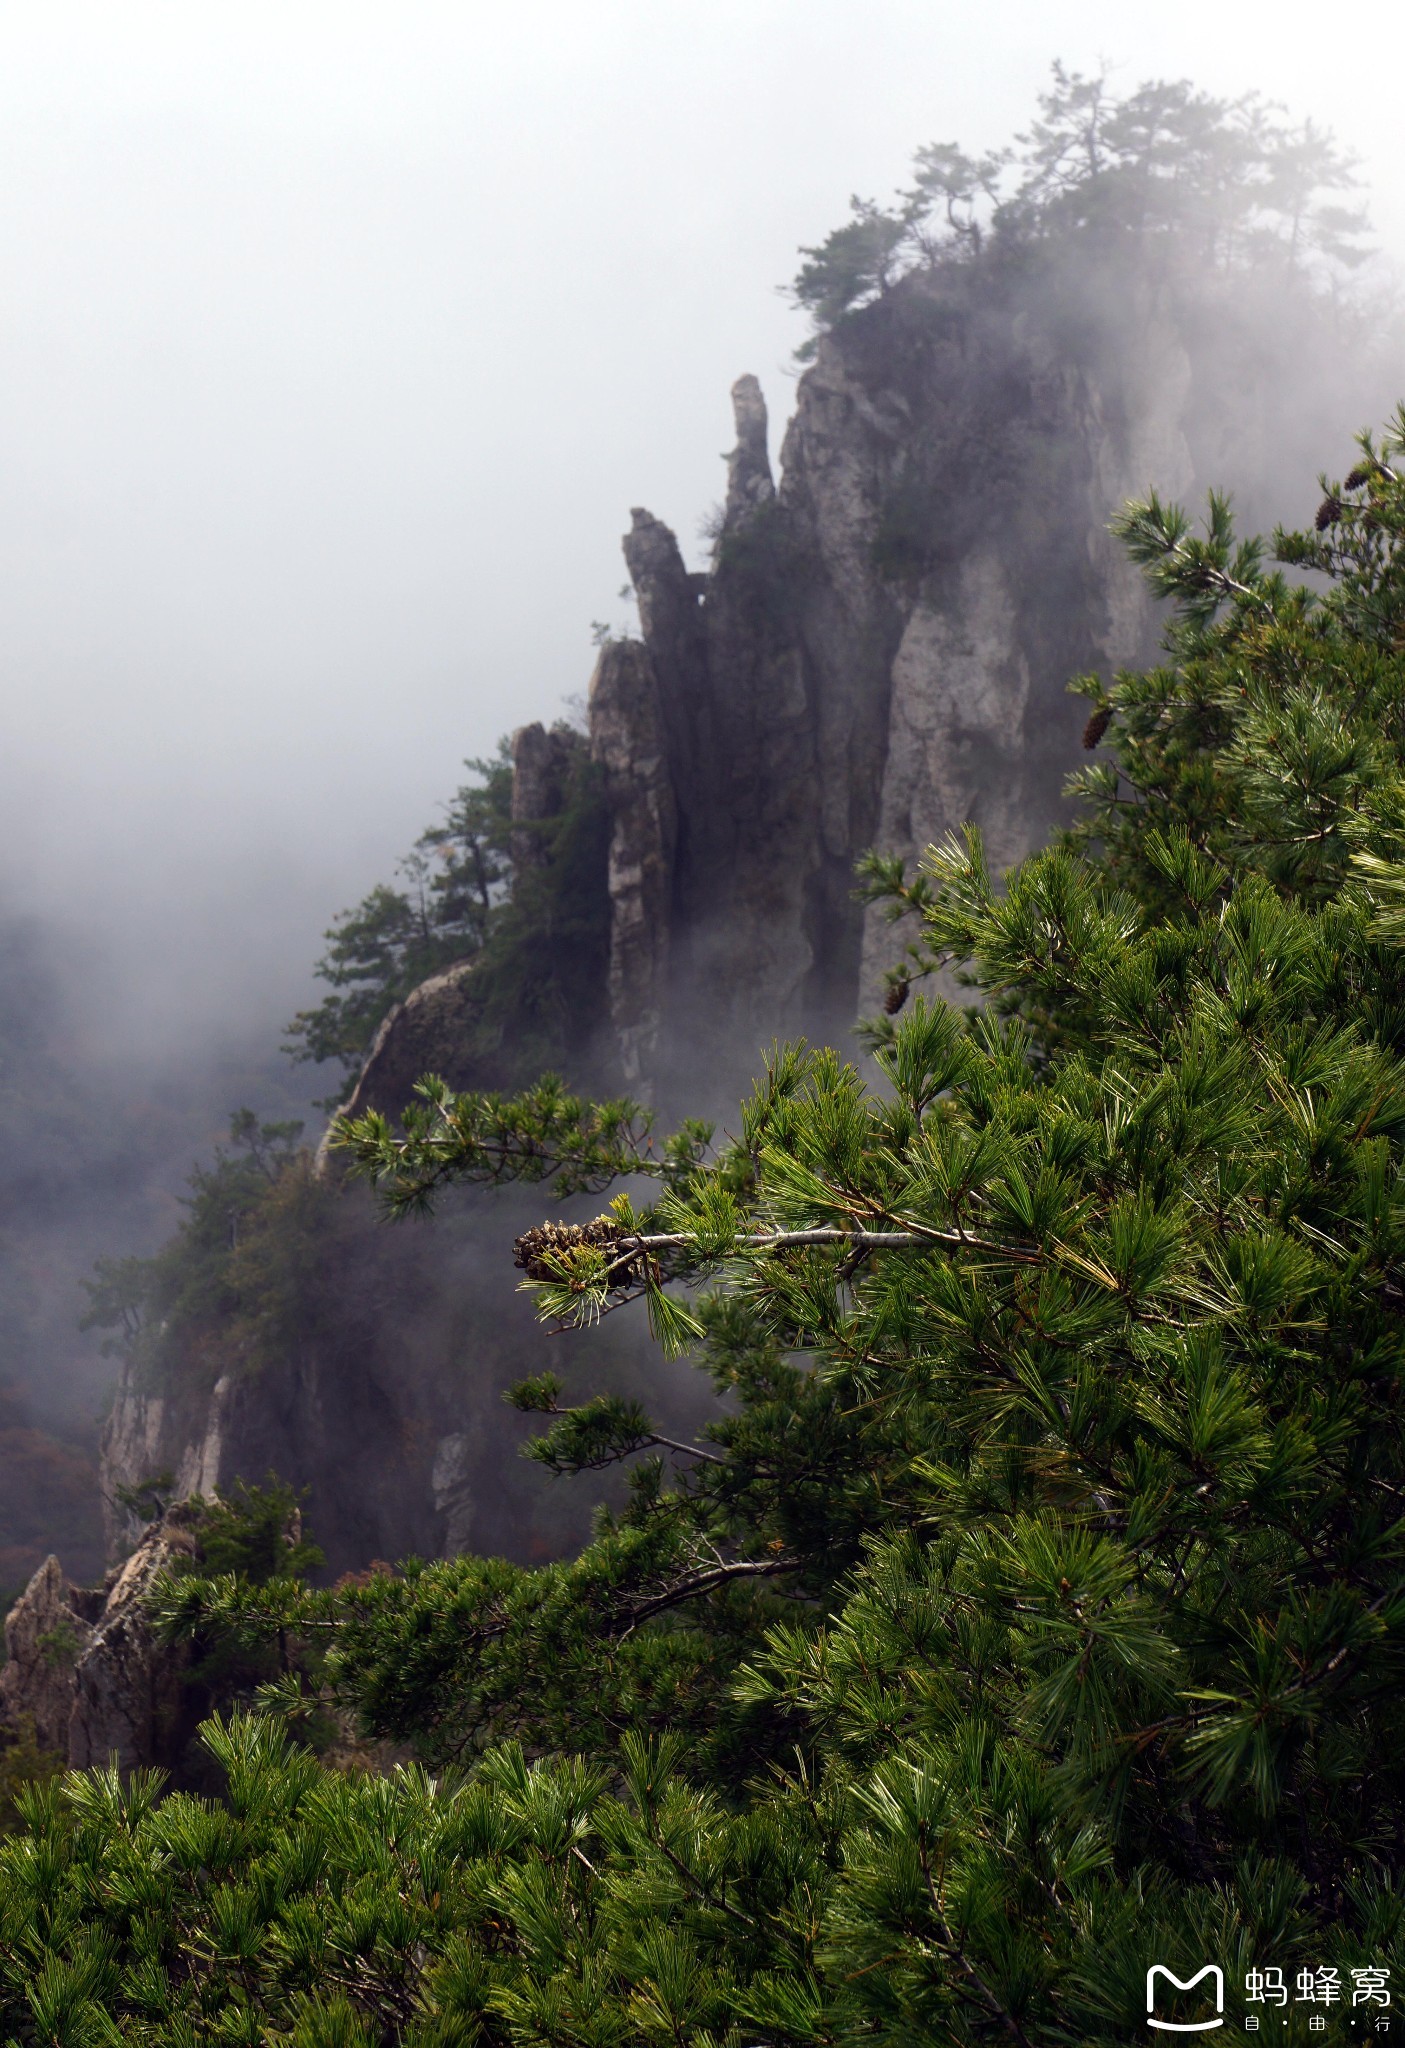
(84, 1665)
(737, 712)
(541, 766)
(382, 1394)
(130, 1702)
(425, 1034)
(452, 1481)
(45, 1635)
(749, 484)
(344, 1411)
(627, 740)
(880, 650)
(149, 1433)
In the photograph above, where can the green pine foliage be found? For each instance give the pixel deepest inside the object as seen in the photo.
(262, 1262)
(541, 977)
(1034, 1609)
(454, 878)
(22, 1763)
(227, 1269)
(537, 937)
(254, 1536)
(253, 1533)
(1227, 180)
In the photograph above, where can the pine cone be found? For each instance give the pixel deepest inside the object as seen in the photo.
(896, 996)
(1328, 513)
(535, 1248)
(1097, 725)
(1359, 476)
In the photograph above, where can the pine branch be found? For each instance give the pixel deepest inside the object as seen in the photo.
(699, 1584)
(985, 1997)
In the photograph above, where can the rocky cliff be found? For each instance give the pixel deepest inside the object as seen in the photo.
(881, 648)
(372, 1372)
(83, 1666)
(878, 652)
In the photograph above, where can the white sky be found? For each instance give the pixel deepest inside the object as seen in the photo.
(336, 342)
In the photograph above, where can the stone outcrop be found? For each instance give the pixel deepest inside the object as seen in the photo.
(749, 482)
(425, 1034)
(84, 1666)
(628, 743)
(432, 1030)
(877, 653)
(541, 769)
(352, 1410)
(46, 1631)
(880, 649)
(130, 1701)
(381, 1391)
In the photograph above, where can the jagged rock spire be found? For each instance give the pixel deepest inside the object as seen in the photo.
(668, 603)
(627, 740)
(541, 769)
(749, 482)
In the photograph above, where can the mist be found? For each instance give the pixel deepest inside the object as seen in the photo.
(337, 345)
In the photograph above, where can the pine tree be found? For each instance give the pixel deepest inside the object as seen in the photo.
(1228, 181)
(1034, 1610)
(455, 878)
